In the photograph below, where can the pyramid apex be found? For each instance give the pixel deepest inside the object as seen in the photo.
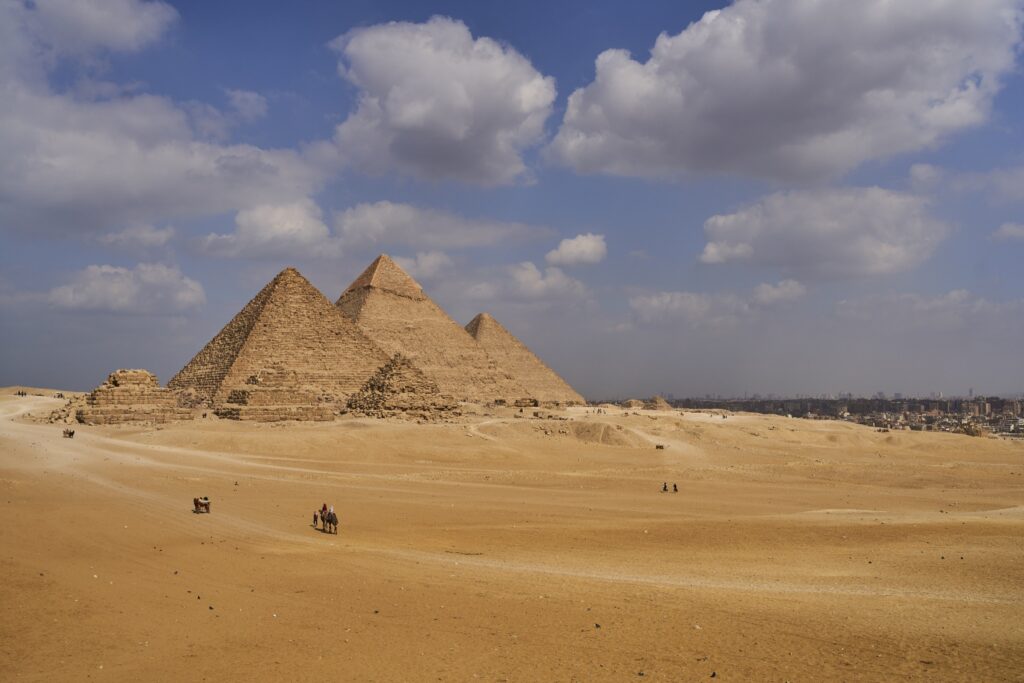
(385, 274)
(484, 319)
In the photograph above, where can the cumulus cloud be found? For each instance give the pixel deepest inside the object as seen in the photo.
(688, 307)
(436, 103)
(138, 236)
(785, 291)
(148, 288)
(247, 104)
(586, 248)
(80, 26)
(823, 234)
(391, 223)
(552, 283)
(71, 163)
(426, 264)
(274, 231)
(1009, 231)
(786, 88)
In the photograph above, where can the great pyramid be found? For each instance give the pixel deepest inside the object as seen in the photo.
(538, 379)
(289, 354)
(393, 311)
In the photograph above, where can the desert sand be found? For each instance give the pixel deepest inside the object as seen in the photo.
(507, 548)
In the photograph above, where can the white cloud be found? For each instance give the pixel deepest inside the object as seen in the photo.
(106, 158)
(1004, 184)
(426, 264)
(785, 291)
(825, 234)
(249, 105)
(80, 26)
(149, 288)
(723, 252)
(955, 308)
(394, 223)
(435, 103)
(789, 88)
(689, 307)
(138, 236)
(1009, 231)
(274, 231)
(586, 248)
(528, 281)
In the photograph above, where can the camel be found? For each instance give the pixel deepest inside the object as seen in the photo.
(330, 523)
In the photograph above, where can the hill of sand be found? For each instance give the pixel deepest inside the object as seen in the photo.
(508, 547)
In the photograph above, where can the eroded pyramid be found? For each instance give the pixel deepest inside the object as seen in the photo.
(538, 379)
(393, 311)
(400, 388)
(289, 354)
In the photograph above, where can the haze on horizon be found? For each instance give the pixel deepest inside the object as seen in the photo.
(696, 198)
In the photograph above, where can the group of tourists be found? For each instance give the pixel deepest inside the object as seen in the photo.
(664, 487)
(327, 519)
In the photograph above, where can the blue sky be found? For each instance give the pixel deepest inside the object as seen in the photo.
(774, 196)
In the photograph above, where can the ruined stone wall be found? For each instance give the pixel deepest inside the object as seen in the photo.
(131, 396)
(420, 330)
(400, 388)
(512, 355)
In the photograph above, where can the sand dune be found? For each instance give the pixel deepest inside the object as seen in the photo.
(509, 548)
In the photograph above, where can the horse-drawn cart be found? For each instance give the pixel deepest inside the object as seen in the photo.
(201, 505)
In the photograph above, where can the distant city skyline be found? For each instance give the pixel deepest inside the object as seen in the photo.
(698, 198)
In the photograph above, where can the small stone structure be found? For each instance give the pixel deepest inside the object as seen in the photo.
(400, 388)
(131, 396)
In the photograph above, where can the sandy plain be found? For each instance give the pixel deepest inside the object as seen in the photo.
(509, 549)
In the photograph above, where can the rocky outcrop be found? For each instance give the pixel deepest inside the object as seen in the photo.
(131, 396)
(401, 389)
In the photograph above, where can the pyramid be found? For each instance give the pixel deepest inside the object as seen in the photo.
(393, 311)
(537, 378)
(400, 388)
(289, 354)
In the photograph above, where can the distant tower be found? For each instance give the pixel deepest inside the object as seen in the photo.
(970, 393)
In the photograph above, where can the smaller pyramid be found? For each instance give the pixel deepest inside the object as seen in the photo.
(399, 387)
(538, 379)
(289, 354)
